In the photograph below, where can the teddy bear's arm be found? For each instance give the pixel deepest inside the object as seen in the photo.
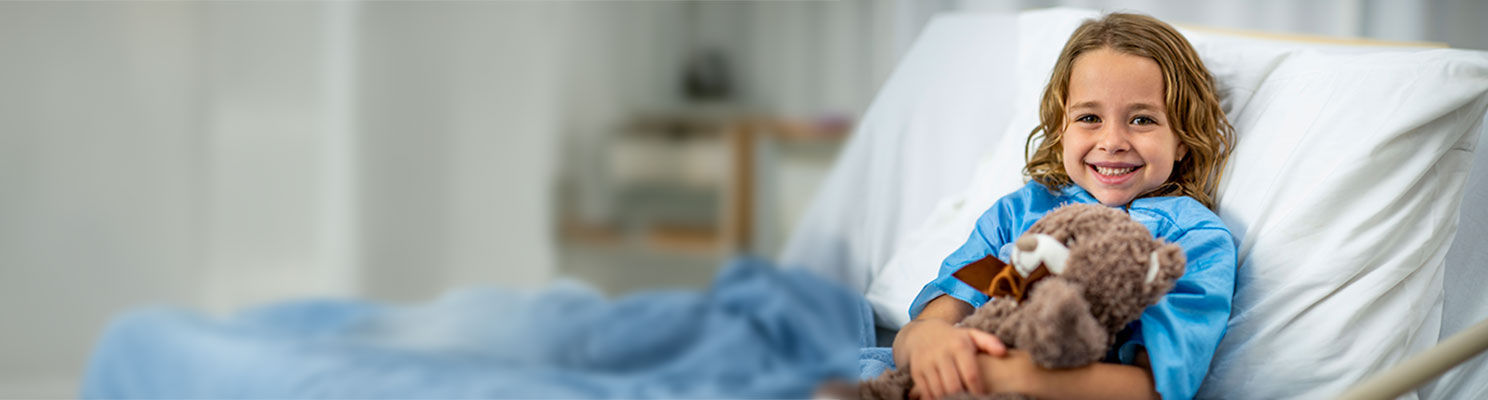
(1057, 328)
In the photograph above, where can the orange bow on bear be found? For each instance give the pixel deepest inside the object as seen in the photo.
(998, 279)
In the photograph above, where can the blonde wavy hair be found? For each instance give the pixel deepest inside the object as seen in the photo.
(1191, 103)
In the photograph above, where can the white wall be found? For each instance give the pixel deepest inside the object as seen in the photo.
(813, 59)
(100, 175)
(622, 58)
(459, 125)
(218, 155)
(275, 140)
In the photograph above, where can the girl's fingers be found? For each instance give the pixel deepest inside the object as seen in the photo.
(988, 343)
(966, 365)
(950, 380)
(925, 377)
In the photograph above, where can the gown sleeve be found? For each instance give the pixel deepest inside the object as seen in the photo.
(1182, 331)
(988, 237)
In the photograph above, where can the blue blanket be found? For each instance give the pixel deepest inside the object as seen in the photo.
(757, 332)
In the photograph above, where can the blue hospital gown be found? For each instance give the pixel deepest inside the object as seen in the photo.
(1180, 332)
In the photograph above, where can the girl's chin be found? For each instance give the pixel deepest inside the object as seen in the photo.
(1113, 199)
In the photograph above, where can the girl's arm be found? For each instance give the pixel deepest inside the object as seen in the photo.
(1017, 373)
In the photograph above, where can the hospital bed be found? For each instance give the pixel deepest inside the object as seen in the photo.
(1354, 191)
(1360, 206)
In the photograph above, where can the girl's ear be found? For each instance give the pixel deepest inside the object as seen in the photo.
(1182, 151)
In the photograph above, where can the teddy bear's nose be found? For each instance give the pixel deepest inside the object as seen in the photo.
(1027, 243)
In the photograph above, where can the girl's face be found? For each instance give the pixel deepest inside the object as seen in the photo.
(1118, 142)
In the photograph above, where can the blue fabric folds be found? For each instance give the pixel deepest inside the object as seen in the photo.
(758, 332)
(874, 361)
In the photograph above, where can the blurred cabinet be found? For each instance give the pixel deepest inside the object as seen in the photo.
(704, 182)
(671, 178)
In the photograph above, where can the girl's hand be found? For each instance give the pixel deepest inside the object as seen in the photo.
(1010, 373)
(942, 358)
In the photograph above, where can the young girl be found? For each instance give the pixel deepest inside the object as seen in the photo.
(1129, 119)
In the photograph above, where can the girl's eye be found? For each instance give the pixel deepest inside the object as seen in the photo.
(1088, 118)
(1143, 121)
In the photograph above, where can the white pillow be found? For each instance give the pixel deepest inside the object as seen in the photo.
(1267, 88)
(1343, 191)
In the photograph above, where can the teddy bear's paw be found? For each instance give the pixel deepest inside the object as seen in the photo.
(990, 316)
(892, 385)
(1059, 331)
(838, 390)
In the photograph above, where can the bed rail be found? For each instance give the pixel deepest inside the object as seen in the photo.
(1423, 367)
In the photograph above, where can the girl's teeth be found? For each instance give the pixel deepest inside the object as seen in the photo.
(1113, 171)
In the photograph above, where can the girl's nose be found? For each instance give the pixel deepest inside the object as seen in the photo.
(1113, 138)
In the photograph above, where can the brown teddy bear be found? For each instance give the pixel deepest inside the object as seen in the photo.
(1079, 275)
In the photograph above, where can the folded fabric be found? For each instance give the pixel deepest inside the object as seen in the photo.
(873, 361)
(757, 332)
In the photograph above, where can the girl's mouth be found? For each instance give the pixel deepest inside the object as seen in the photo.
(1114, 171)
(1113, 175)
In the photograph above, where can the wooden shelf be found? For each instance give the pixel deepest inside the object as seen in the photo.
(733, 184)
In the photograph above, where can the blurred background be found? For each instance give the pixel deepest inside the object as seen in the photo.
(217, 155)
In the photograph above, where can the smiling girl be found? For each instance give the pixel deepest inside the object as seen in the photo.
(1129, 119)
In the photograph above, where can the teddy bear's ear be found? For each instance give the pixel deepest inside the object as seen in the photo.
(1170, 263)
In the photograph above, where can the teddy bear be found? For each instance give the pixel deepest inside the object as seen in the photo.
(1078, 276)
